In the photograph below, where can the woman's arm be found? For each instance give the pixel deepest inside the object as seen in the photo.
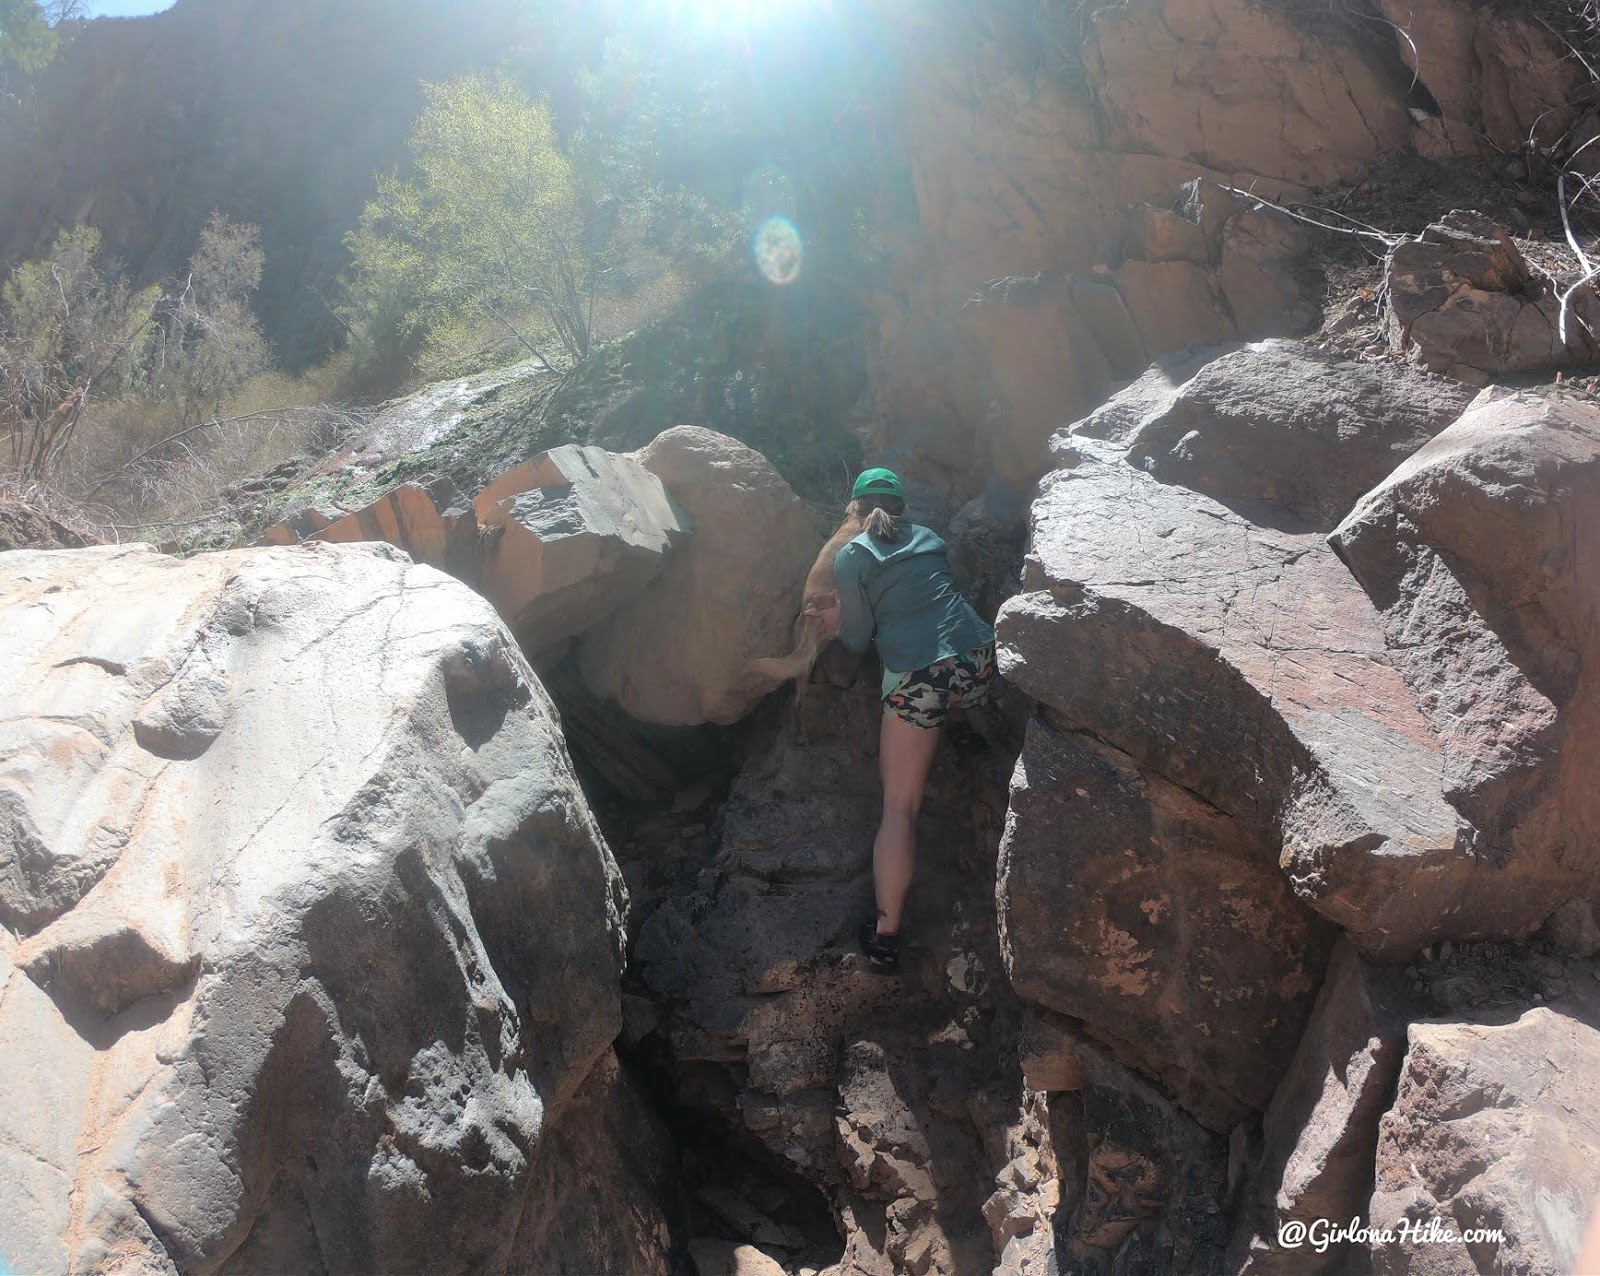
(855, 614)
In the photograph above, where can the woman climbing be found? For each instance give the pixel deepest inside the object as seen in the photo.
(894, 584)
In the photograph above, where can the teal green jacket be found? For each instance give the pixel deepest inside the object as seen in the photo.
(901, 593)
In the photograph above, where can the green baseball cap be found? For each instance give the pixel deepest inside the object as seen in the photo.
(878, 482)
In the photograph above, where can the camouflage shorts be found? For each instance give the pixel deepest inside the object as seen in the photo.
(925, 697)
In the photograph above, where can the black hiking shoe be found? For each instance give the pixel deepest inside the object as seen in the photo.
(883, 951)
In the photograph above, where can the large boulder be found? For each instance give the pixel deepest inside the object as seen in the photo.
(677, 651)
(569, 537)
(1493, 1127)
(1281, 424)
(1245, 664)
(1162, 923)
(1482, 555)
(309, 945)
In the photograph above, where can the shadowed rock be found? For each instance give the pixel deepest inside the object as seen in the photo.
(1281, 424)
(1321, 1129)
(1161, 923)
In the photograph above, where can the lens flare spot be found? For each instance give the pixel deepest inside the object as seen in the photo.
(778, 250)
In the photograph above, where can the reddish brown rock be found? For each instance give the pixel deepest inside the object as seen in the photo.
(1161, 923)
(1320, 1132)
(1246, 665)
(1046, 363)
(301, 525)
(1494, 1126)
(677, 652)
(1163, 234)
(1174, 303)
(1262, 270)
(1500, 79)
(1480, 553)
(1195, 78)
(1281, 424)
(431, 521)
(1462, 300)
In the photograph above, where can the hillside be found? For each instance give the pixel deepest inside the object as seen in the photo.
(276, 112)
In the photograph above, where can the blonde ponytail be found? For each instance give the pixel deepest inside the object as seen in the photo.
(881, 524)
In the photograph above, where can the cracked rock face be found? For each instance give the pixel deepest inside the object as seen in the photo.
(1158, 921)
(310, 945)
(1234, 655)
(1462, 300)
(1246, 665)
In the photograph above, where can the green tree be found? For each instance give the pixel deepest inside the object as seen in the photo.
(29, 35)
(492, 227)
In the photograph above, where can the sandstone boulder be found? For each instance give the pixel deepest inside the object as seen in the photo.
(1161, 923)
(570, 536)
(677, 651)
(1283, 424)
(1480, 554)
(1494, 1127)
(1246, 665)
(309, 945)
(1462, 300)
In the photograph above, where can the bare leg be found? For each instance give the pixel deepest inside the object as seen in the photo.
(905, 752)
